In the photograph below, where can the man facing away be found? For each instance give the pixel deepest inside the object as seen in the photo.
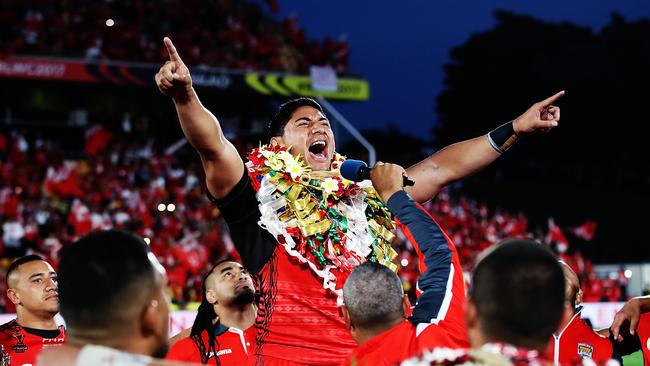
(112, 298)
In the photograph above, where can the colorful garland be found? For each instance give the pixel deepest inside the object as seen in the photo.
(320, 218)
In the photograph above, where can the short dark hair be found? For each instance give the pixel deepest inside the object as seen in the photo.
(100, 276)
(20, 261)
(518, 289)
(373, 295)
(277, 123)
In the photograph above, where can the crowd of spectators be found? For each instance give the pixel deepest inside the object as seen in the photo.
(243, 35)
(47, 201)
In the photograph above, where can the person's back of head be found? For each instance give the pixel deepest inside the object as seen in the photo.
(112, 293)
(374, 300)
(516, 296)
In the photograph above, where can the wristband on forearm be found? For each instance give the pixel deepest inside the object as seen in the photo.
(503, 137)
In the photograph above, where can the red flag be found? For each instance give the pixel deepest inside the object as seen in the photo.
(585, 231)
(97, 139)
(555, 233)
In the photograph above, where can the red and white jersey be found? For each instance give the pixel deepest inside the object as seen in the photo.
(578, 341)
(232, 347)
(24, 345)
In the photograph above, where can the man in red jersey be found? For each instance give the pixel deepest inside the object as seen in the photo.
(223, 332)
(32, 287)
(630, 330)
(511, 280)
(301, 252)
(376, 307)
(576, 340)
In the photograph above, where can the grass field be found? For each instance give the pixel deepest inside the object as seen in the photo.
(635, 359)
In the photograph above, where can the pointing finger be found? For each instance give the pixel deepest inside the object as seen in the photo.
(171, 49)
(550, 100)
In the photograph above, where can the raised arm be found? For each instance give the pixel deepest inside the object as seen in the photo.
(436, 254)
(465, 158)
(221, 162)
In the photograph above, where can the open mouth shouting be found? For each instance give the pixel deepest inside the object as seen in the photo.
(318, 150)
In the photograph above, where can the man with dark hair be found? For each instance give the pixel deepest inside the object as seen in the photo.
(376, 308)
(32, 287)
(113, 301)
(314, 226)
(510, 280)
(223, 332)
(515, 303)
(575, 339)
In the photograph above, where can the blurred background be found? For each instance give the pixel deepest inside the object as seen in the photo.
(87, 142)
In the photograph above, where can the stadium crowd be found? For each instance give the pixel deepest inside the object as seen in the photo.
(48, 201)
(241, 35)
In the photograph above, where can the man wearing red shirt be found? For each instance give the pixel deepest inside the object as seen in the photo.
(301, 269)
(376, 307)
(509, 279)
(576, 340)
(223, 332)
(32, 287)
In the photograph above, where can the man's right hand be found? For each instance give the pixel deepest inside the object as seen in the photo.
(173, 79)
(387, 179)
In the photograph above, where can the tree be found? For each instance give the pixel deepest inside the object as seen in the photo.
(595, 162)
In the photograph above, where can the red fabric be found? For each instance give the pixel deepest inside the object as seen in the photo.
(453, 322)
(305, 325)
(97, 139)
(555, 233)
(388, 348)
(577, 341)
(13, 337)
(644, 336)
(585, 231)
(234, 347)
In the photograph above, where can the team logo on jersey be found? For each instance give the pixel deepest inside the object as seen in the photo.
(585, 350)
(20, 346)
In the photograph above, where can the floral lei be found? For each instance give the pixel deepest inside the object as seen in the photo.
(320, 218)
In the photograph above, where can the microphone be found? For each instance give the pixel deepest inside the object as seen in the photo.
(357, 170)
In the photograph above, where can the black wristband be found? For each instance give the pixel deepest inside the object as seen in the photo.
(503, 137)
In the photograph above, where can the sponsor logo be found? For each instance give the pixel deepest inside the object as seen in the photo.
(222, 352)
(585, 350)
(213, 80)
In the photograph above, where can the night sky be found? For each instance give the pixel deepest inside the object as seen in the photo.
(400, 47)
